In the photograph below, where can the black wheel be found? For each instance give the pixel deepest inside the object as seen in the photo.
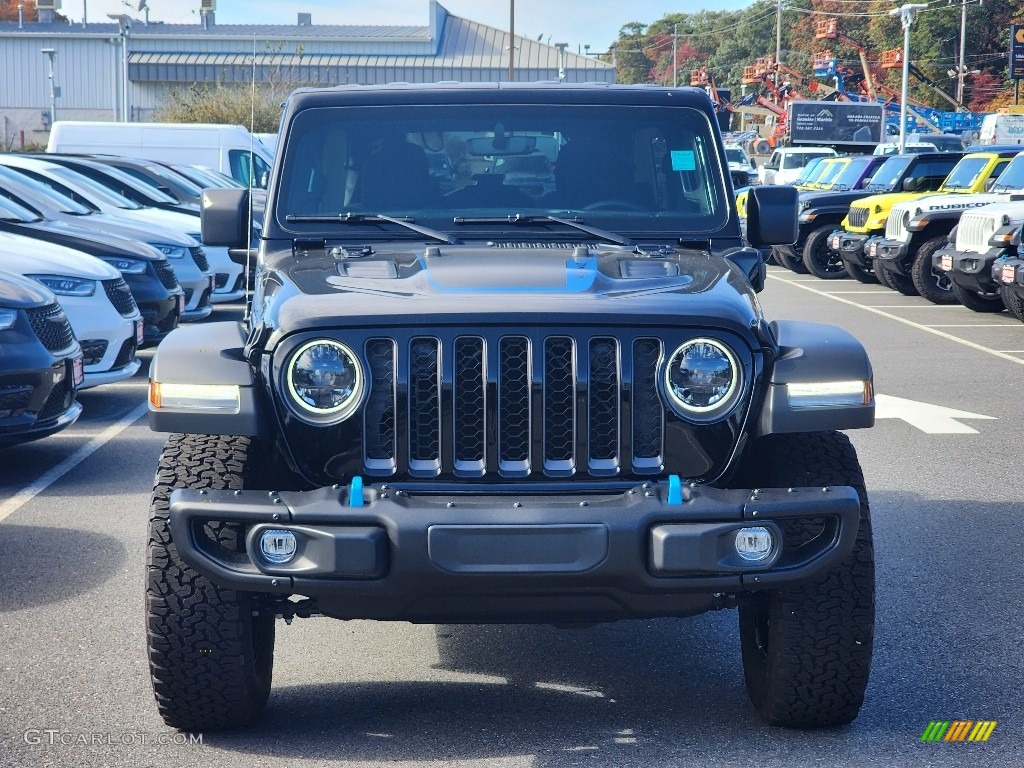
(1012, 302)
(788, 258)
(931, 283)
(211, 650)
(807, 650)
(820, 260)
(978, 302)
(882, 275)
(897, 282)
(860, 274)
(769, 256)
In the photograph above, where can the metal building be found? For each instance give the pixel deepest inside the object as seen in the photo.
(88, 62)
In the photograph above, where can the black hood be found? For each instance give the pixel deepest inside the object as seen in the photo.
(832, 199)
(17, 292)
(480, 283)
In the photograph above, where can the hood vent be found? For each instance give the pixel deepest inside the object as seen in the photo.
(560, 246)
(648, 269)
(372, 269)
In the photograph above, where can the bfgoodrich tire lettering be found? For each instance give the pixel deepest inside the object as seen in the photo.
(211, 650)
(807, 650)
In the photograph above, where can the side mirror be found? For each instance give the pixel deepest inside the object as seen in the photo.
(911, 185)
(772, 215)
(224, 217)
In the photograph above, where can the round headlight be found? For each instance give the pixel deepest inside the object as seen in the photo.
(702, 378)
(325, 380)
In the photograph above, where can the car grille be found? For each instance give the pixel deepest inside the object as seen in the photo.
(60, 400)
(52, 327)
(858, 217)
(974, 231)
(120, 296)
(166, 274)
(896, 223)
(496, 421)
(126, 354)
(93, 350)
(199, 257)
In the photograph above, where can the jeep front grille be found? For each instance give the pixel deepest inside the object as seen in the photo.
(515, 405)
(897, 222)
(974, 231)
(858, 216)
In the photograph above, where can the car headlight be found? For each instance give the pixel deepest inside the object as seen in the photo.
(126, 266)
(63, 285)
(324, 381)
(702, 379)
(171, 251)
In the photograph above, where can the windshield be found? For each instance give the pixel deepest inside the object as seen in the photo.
(829, 173)
(145, 189)
(654, 169)
(965, 174)
(892, 170)
(93, 190)
(800, 159)
(811, 172)
(11, 211)
(21, 183)
(1012, 177)
(175, 180)
(736, 156)
(850, 174)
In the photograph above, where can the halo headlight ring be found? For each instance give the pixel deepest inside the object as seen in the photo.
(702, 380)
(323, 382)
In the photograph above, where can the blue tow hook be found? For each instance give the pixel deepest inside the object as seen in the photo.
(355, 492)
(675, 490)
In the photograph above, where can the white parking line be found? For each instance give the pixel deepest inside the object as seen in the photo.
(974, 325)
(909, 306)
(905, 321)
(47, 479)
(885, 292)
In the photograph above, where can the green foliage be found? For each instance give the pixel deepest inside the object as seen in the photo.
(219, 103)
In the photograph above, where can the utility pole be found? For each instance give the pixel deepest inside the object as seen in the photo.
(961, 70)
(778, 37)
(51, 54)
(675, 55)
(511, 40)
(906, 13)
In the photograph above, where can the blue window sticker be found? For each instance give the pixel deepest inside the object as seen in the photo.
(682, 160)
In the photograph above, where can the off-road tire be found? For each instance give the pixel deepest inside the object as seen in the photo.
(977, 302)
(785, 258)
(820, 260)
(860, 274)
(932, 284)
(1013, 303)
(211, 650)
(895, 281)
(807, 649)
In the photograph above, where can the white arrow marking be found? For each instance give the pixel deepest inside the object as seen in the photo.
(931, 419)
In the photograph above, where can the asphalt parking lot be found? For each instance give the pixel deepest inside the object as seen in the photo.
(942, 466)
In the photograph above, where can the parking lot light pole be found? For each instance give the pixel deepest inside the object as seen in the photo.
(51, 54)
(906, 13)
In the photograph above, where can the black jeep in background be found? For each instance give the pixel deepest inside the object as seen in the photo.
(463, 396)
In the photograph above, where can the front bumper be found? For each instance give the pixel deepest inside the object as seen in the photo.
(968, 269)
(850, 246)
(463, 555)
(1011, 275)
(891, 254)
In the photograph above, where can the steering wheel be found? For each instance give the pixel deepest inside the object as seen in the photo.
(615, 204)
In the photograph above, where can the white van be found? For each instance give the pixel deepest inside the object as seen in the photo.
(224, 148)
(1002, 129)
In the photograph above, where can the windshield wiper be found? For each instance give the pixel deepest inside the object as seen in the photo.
(370, 218)
(519, 218)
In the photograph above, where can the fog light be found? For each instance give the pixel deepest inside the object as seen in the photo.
(278, 547)
(754, 544)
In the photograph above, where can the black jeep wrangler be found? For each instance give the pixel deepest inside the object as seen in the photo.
(465, 396)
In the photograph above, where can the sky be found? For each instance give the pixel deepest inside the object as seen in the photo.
(577, 22)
